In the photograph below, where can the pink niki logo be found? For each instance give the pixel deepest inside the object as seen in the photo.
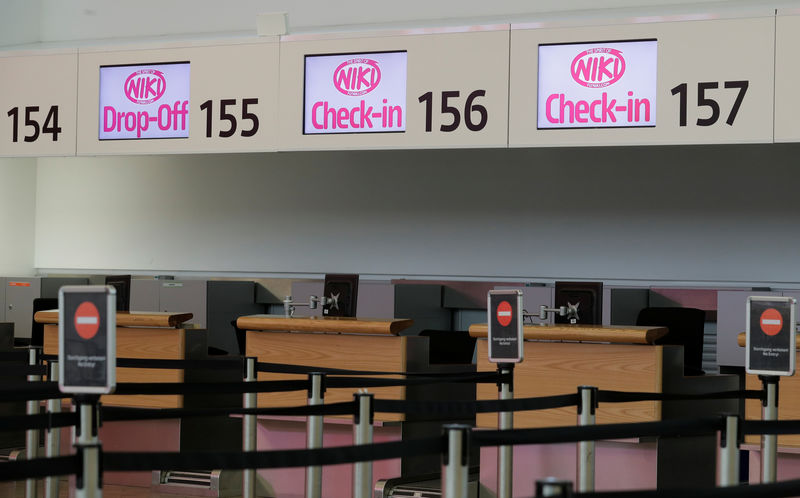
(357, 76)
(145, 86)
(598, 67)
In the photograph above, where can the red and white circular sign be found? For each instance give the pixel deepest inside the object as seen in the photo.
(504, 313)
(87, 320)
(771, 321)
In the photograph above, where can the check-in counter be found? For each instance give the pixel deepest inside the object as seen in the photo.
(366, 344)
(142, 335)
(559, 358)
(329, 342)
(788, 403)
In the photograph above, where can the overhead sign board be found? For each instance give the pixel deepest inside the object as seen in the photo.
(144, 101)
(38, 108)
(643, 83)
(505, 326)
(771, 331)
(597, 85)
(87, 330)
(192, 98)
(355, 93)
(421, 89)
(787, 73)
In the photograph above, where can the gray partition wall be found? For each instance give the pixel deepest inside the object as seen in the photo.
(731, 316)
(18, 304)
(171, 296)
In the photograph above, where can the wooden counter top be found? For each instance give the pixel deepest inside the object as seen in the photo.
(741, 340)
(583, 333)
(323, 324)
(129, 318)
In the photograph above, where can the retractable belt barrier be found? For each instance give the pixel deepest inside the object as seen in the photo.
(260, 367)
(49, 390)
(315, 457)
(138, 461)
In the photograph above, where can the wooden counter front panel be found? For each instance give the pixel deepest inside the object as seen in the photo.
(552, 368)
(148, 343)
(352, 352)
(788, 407)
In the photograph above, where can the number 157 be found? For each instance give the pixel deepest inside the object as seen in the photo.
(703, 101)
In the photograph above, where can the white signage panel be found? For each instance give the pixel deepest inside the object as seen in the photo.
(601, 84)
(712, 85)
(38, 102)
(787, 72)
(195, 98)
(144, 101)
(422, 89)
(355, 93)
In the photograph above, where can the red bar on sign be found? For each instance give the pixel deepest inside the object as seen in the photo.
(19, 284)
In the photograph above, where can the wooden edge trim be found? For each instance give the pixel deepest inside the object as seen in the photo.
(125, 319)
(614, 335)
(741, 340)
(323, 324)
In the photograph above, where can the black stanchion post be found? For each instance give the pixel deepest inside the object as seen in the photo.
(53, 439)
(316, 396)
(362, 434)
(553, 487)
(769, 442)
(729, 452)
(87, 445)
(249, 429)
(587, 406)
(32, 435)
(505, 421)
(455, 472)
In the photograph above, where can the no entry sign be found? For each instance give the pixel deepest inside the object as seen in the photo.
(87, 329)
(505, 326)
(771, 335)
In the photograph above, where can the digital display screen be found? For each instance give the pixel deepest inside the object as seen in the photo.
(144, 101)
(597, 85)
(355, 93)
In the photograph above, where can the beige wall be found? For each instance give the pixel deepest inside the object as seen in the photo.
(17, 218)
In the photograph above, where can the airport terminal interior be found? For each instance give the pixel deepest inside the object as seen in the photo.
(558, 239)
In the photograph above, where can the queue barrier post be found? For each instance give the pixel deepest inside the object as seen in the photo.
(32, 435)
(53, 438)
(362, 434)
(505, 421)
(249, 428)
(769, 442)
(553, 486)
(729, 452)
(89, 482)
(455, 471)
(316, 396)
(587, 410)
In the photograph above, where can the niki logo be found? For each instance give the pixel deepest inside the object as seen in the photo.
(357, 76)
(145, 86)
(598, 67)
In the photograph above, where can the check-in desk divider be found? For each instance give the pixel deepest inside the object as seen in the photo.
(52, 443)
(249, 434)
(316, 396)
(32, 436)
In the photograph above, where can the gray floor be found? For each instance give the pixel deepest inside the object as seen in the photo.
(17, 490)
